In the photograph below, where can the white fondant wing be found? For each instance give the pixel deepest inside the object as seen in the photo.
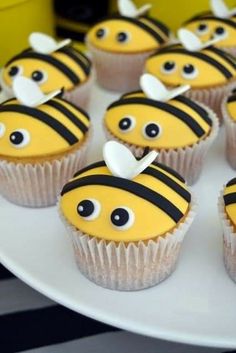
(192, 42)
(28, 92)
(44, 44)
(121, 162)
(127, 8)
(220, 9)
(155, 89)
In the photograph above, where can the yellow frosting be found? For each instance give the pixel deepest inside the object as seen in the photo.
(211, 24)
(139, 39)
(44, 139)
(231, 107)
(230, 200)
(54, 76)
(174, 132)
(206, 75)
(156, 222)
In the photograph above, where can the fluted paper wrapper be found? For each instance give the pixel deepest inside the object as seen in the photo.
(38, 185)
(118, 72)
(80, 95)
(211, 97)
(187, 161)
(131, 266)
(229, 240)
(230, 132)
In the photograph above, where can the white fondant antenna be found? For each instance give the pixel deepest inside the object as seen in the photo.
(155, 89)
(192, 42)
(221, 10)
(121, 162)
(44, 44)
(127, 8)
(28, 92)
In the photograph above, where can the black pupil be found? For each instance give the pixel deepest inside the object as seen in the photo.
(219, 30)
(119, 217)
(122, 36)
(152, 130)
(169, 65)
(125, 123)
(85, 208)
(37, 76)
(100, 33)
(202, 27)
(188, 69)
(16, 137)
(13, 71)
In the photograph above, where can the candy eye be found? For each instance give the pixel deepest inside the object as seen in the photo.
(89, 209)
(220, 32)
(152, 131)
(20, 138)
(39, 76)
(101, 33)
(189, 72)
(127, 123)
(122, 37)
(202, 29)
(168, 67)
(122, 218)
(2, 129)
(15, 71)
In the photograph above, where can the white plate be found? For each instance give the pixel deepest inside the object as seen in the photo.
(195, 305)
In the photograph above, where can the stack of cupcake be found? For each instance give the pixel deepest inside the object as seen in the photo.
(175, 93)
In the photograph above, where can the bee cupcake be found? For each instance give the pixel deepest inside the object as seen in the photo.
(43, 141)
(52, 65)
(179, 129)
(210, 71)
(227, 209)
(102, 208)
(120, 44)
(220, 22)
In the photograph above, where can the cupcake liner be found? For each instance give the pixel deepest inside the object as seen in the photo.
(229, 240)
(230, 50)
(118, 72)
(230, 132)
(187, 161)
(80, 95)
(128, 266)
(39, 184)
(211, 97)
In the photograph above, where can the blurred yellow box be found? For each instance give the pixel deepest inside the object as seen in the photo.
(18, 18)
(174, 13)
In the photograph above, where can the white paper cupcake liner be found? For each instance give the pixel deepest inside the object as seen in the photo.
(211, 97)
(132, 266)
(118, 72)
(39, 184)
(230, 135)
(229, 240)
(187, 161)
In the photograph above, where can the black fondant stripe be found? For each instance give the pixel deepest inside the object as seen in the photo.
(135, 188)
(73, 118)
(129, 93)
(170, 171)
(186, 118)
(142, 25)
(77, 60)
(230, 199)
(82, 111)
(157, 174)
(198, 17)
(158, 24)
(89, 167)
(45, 118)
(232, 98)
(194, 106)
(231, 182)
(227, 57)
(218, 19)
(50, 60)
(200, 55)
